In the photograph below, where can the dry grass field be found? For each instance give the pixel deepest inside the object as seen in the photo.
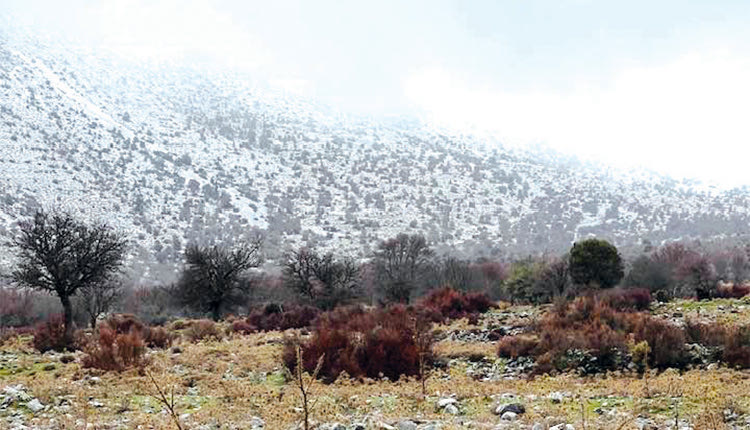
(240, 383)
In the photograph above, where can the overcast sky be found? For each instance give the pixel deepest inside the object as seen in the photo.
(660, 84)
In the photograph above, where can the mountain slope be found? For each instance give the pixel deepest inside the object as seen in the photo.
(175, 154)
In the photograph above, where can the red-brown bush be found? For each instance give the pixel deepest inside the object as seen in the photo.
(276, 317)
(452, 304)
(737, 347)
(153, 337)
(125, 323)
(50, 336)
(589, 332)
(704, 333)
(667, 341)
(159, 337)
(203, 329)
(113, 351)
(243, 327)
(733, 291)
(365, 343)
(627, 299)
(517, 346)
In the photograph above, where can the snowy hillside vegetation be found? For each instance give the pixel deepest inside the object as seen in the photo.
(175, 154)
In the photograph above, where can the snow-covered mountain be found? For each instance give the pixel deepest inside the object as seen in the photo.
(174, 153)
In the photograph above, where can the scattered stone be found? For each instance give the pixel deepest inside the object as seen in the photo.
(563, 427)
(509, 416)
(645, 424)
(35, 405)
(516, 408)
(556, 397)
(451, 409)
(257, 423)
(405, 425)
(537, 426)
(442, 403)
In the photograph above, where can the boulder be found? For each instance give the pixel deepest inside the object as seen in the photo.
(516, 408)
(509, 416)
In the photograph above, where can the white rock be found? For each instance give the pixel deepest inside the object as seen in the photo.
(257, 423)
(442, 403)
(451, 409)
(406, 425)
(509, 416)
(556, 397)
(35, 405)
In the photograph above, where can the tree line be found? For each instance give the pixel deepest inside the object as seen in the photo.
(82, 265)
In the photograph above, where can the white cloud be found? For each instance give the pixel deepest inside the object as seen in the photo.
(687, 117)
(170, 29)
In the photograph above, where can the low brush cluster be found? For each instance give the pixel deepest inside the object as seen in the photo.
(598, 333)
(365, 343)
(447, 304)
(277, 317)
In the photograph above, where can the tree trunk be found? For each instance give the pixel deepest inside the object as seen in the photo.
(68, 315)
(92, 321)
(216, 311)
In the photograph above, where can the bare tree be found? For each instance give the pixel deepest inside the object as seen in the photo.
(322, 279)
(298, 272)
(554, 278)
(698, 274)
(98, 299)
(456, 273)
(400, 263)
(60, 254)
(214, 276)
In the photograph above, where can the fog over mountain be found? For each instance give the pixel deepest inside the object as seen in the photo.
(175, 152)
